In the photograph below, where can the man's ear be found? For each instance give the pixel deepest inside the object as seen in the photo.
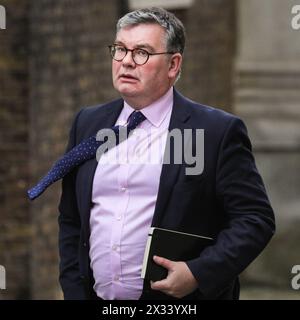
(175, 64)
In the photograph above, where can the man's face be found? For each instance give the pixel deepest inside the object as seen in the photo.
(141, 85)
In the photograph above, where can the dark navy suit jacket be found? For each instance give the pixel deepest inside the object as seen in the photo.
(227, 202)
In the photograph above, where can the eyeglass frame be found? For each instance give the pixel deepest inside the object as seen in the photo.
(132, 53)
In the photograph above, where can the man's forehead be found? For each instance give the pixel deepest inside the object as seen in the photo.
(141, 35)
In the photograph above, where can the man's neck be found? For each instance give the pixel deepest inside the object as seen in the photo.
(141, 103)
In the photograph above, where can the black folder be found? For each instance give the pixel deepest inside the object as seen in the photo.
(173, 245)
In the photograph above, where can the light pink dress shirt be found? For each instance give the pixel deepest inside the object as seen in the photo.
(124, 195)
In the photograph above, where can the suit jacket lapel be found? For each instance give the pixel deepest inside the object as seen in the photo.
(169, 174)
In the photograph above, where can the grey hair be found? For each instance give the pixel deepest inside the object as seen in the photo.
(175, 31)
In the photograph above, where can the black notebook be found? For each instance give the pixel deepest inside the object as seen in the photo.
(173, 245)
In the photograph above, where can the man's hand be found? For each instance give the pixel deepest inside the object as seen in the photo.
(180, 280)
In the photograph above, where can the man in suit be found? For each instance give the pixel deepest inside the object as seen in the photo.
(107, 207)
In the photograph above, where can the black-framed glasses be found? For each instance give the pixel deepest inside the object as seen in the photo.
(139, 56)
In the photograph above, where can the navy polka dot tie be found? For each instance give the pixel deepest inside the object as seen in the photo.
(82, 152)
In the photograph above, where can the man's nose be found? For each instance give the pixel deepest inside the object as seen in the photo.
(128, 59)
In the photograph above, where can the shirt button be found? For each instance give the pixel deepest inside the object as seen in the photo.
(123, 189)
(119, 217)
(116, 278)
(115, 247)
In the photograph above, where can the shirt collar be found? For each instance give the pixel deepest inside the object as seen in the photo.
(156, 111)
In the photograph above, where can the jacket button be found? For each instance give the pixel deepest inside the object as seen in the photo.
(84, 244)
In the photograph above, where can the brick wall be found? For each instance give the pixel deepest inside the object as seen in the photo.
(15, 230)
(208, 67)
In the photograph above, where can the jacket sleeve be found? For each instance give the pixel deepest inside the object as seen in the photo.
(69, 232)
(250, 221)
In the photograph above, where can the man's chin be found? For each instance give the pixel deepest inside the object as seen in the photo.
(127, 92)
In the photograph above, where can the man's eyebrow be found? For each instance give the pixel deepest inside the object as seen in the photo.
(139, 46)
(146, 46)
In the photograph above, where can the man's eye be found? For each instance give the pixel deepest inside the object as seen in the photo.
(120, 49)
(141, 53)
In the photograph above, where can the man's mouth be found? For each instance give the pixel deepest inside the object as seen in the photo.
(126, 76)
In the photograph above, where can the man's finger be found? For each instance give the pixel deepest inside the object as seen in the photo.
(166, 263)
(159, 285)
